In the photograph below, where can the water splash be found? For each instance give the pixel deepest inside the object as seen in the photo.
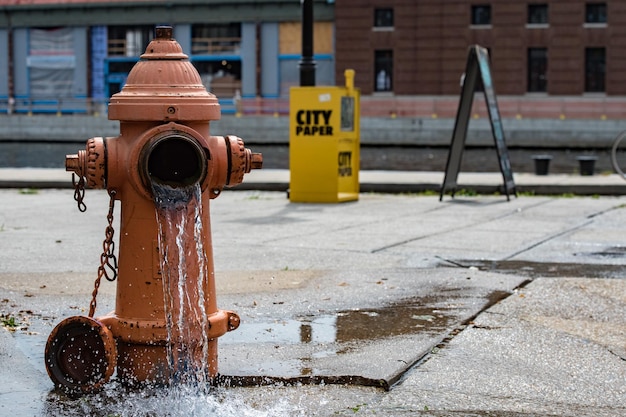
(173, 401)
(185, 274)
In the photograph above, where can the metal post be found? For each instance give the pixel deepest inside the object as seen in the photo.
(307, 63)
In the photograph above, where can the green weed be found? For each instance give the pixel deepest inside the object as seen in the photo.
(9, 322)
(28, 191)
(357, 407)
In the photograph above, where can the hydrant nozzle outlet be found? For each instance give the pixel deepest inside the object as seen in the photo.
(174, 159)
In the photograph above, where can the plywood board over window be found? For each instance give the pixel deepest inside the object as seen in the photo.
(290, 38)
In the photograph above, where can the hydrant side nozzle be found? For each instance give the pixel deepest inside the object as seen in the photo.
(89, 163)
(96, 163)
(256, 161)
(251, 161)
(241, 160)
(72, 163)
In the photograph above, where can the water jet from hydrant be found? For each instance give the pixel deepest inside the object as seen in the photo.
(184, 276)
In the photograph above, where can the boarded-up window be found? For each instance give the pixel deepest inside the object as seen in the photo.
(51, 63)
(290, 38)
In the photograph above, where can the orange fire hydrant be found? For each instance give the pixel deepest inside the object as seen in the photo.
(164, 144)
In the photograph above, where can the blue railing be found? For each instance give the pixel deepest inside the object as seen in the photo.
(60, 106)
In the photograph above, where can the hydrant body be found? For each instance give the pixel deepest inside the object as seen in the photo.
(164, 144)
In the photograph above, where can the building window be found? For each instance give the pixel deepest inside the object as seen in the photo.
(481, 15)
(537, 70)
(129, 41)
(383, 18)
(383, 68)
(215, 39)
(215, 49)
(537, 14)
(595, 13)
(595, 69)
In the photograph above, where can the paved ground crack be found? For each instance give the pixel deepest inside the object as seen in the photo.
(445, 341)
(547, 239)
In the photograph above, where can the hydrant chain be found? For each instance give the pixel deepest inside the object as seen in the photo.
(79, 192)
(108, 260)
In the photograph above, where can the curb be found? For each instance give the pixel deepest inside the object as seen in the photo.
(389, 182)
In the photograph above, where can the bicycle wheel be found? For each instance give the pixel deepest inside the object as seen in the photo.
(618, 154)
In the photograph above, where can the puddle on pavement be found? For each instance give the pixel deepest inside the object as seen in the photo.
(552, 269)
(610, 252)
(348, 326)
(330, 334)
(346, 332)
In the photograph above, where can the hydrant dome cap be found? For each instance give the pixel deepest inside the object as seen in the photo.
(164, 86)
(164, 46)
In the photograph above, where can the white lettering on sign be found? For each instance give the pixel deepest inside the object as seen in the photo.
(313, 122)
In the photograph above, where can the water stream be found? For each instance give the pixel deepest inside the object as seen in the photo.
(185, 274)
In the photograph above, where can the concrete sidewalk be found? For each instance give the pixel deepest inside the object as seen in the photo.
(392, 305)
(373, 181)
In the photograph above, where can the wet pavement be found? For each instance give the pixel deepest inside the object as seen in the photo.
(392, 305)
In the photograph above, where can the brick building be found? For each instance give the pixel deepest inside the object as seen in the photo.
(538, 47)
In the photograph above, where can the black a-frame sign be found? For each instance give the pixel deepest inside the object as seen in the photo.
(477, 65)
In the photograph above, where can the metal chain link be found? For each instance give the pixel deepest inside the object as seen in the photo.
(108, 260)
(79, 192)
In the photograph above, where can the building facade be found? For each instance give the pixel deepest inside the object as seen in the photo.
(537, 47)
(67, 55)
(64, 56)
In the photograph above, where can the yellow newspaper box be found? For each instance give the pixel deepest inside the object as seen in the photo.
(324, 133)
